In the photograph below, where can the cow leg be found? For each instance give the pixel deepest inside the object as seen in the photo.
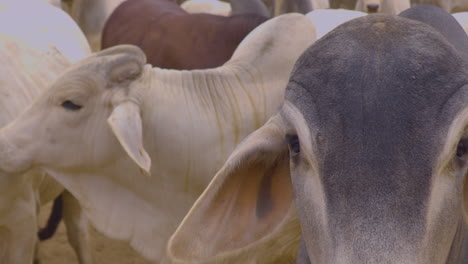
(17, 241)
(302, 256)
(37, 260)
(18, 222)
(77, 228)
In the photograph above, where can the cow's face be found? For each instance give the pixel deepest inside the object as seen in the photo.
(373, 135)
(369, 6)
(377, 151)
(79, 122)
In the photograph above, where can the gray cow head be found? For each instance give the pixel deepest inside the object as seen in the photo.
(371, 145)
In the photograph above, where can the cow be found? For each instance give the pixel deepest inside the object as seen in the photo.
(327, 19)
(369, 148)
(382, 6)
(214, 7)
(450, 6)
(173, 39)
(33, 52)
(242, 7)
(167, 131)
(91, 15)
(344, 4)
(299, 6)
(266, 8)
(445, 23)
(462, 18)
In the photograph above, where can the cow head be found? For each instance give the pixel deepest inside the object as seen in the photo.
(69, 121)
(371, 145)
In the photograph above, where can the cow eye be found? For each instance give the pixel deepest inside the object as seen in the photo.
(71, 106)
(461, 148)
(294, 145)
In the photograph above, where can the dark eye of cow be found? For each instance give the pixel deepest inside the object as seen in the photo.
(71, 106)
(294, 145)
(461, 148)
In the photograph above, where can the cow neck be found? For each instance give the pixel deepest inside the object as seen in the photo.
(234, 95)
(201, 111)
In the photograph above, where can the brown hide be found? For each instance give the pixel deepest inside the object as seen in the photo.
(174, 39)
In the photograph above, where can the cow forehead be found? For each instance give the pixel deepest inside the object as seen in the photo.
(91, 73)
(381, 92)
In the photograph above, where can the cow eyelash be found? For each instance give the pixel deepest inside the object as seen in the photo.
(71, 106)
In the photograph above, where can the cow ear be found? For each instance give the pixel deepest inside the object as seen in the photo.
(247, 213)
(125, 122)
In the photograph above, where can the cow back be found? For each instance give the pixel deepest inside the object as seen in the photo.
(172, 38)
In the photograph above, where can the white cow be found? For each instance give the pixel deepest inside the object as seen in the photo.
(91, 15)
(214, 7)
(234, 7)
(167, 131)
(33, 42)
(327, 19)
(266, 8)
(382, 6)
(462, 18)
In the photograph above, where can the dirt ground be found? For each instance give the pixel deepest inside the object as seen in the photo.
(57, 250)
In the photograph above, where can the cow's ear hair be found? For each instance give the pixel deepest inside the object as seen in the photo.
(125, 122)
(125, 70)
(126, 63)
(247, 213)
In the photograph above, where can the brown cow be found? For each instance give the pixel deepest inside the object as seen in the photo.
(175, 39)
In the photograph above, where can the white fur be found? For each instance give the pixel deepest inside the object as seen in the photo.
(462, 18)
(385, 6)
(326, 20)
(91, 16)
(214, 7)
(33, 42)
(191, 122)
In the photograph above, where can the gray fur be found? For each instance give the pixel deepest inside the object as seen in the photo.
(290, 6)
(380, 91)
(442, 21)
(240, 7)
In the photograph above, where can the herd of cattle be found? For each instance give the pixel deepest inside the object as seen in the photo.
(276, 131)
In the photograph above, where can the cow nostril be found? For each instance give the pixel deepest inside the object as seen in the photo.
(372, 8)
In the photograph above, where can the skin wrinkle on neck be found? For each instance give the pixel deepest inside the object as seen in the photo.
(205, 99)
(214, 97)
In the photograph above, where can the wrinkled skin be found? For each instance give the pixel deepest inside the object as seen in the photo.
(377, 149)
